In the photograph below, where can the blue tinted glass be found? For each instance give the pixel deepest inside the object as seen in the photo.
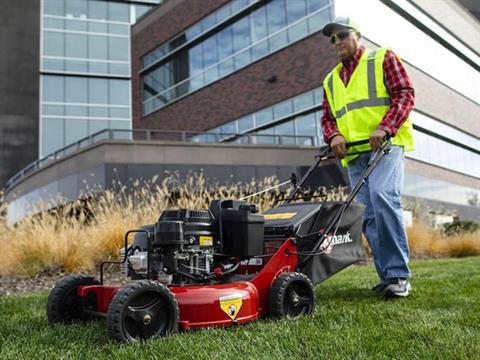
(119, 92)
(76, 8)
(245, 123)
(222, 13)
(96, 126)
(195, 58)
(97, 10)
(316, 4)
(210, 55)
(140, 10)
(97, 47)
(295, 10)
(303, 101)
(53, 43)
(241, 34)
(75, 89)
(225, 42)
(306, 125)
(52, 135)
(97, 91)
(263, 116)
(118, 48)
(236, 5)
(259, 50)
(75, 129)
(258, 24)
(298, 31)
(194, 31)
(118, 11)
(282, 109)
(276, 15)
(76, 45)
(208, 22)
(319, 20)
(54, 7)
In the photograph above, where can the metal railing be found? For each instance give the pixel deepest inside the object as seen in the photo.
(158, 135)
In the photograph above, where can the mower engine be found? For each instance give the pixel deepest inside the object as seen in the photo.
(196, 246)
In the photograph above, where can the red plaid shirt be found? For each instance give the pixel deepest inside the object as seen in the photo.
(399, 87)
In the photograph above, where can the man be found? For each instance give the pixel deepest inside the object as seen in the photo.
(369, 95)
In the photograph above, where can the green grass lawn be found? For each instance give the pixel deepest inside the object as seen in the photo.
(440, 320)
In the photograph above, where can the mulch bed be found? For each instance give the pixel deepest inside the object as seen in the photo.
(12, 285)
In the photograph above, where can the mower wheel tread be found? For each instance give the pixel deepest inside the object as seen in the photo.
(278, 302)
(120, 302)
(63, 304)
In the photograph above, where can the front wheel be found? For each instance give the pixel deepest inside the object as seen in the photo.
(292, 295)
(142, 310)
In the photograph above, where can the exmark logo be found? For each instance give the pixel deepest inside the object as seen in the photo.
(331, 241)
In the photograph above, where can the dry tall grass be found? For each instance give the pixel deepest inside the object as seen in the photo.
(58, 241)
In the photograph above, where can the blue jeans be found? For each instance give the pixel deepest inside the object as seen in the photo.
(383, 217)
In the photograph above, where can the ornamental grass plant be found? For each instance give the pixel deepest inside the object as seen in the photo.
(76, 237)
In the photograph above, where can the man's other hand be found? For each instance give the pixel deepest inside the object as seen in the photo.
(377, 138)
(338, 146)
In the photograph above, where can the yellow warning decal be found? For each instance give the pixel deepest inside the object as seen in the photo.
(206, 241)
(280, 216)
(231, 305)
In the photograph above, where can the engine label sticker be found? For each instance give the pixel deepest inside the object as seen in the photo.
(206, 241)
(280, 216)
(231, 305)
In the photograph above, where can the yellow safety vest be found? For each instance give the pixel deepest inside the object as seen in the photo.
(359, 107)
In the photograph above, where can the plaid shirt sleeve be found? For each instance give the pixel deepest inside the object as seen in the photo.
(401, 91)
(329, 126)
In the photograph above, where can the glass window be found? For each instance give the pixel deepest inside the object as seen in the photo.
(97, 47)
(54, 7)
(296, 10)
(53, 88)
(52, 135)
(75, 89)
(245, 123)
(53, 43)
(258, 24)
(306, 124)
(97, 10)
(118, 11)
(225, 42)
(195, 58)
(140, 10)
(97, 91)
(118, 48)
(115, 112)
(75, 130)
(276, 15)
(96, 126)
(241, 34)
(286, 132)
(298, 31)
(208, 22)
(76, 8)
(263, 116)
(210, 55)
(316, 4)
(119, 92)
(282, 109)
(236, 5)
(303, 101)
(76, 45)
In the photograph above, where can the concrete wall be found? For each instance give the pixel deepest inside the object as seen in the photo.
(19, 93)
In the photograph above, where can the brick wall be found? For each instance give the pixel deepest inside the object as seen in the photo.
(298, 68)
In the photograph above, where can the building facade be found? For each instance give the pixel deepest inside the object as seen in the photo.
(67, 71)
(252, 71)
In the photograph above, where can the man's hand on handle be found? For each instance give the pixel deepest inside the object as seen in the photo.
(377, 138)
(338, 146)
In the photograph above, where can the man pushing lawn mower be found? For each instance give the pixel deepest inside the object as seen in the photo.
(369, 95)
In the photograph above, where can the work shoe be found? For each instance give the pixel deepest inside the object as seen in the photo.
(397, 287)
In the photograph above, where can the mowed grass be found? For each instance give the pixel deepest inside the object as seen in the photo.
(441, 320)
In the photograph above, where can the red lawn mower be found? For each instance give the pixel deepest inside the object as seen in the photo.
(223, 266)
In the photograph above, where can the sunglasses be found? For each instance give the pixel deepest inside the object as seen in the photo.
(342, 35)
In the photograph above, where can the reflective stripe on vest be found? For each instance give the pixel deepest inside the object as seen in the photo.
(372, 90)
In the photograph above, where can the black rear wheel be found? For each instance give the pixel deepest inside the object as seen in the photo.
(63, 304)
(142, 310)
(292, 295)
